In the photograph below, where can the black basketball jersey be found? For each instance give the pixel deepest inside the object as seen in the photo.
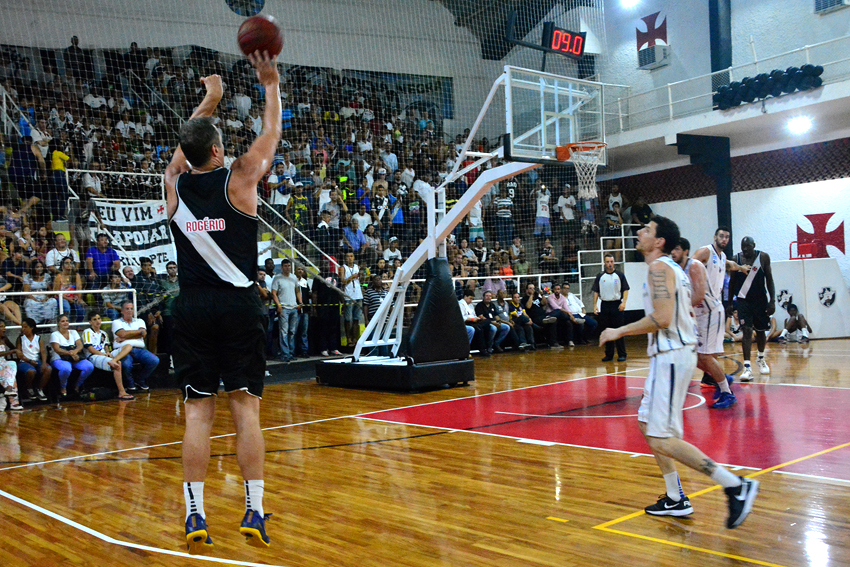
(756, 291)
(511, 185)
(216, 243)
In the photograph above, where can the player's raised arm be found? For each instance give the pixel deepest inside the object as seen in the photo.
(250, 167)
(178, 163)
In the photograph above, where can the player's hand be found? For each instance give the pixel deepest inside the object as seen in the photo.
(608, 335)
(213, 85)
(622, 306)
(266, 68)
(596, 311)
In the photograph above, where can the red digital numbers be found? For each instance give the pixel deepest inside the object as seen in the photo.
(566, 42)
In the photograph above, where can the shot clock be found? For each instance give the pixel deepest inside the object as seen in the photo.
(565, 42)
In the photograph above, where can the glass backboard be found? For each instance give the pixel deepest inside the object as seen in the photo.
(545, 111)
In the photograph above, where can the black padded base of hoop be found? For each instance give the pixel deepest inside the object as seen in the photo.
(378, 375)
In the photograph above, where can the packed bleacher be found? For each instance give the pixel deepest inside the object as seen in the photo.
(344, 178)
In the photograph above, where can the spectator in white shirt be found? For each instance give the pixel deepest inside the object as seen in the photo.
(584, 326)
(568, 225)
(393, 251)
(60, 252)
(131, 331)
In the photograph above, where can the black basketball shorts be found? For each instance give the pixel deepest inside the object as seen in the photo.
(219, 334)
(753, 314)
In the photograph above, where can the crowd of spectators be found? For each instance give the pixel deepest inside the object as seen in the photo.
(348, 176)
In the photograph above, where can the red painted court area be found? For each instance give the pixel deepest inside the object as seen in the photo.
(769, 425)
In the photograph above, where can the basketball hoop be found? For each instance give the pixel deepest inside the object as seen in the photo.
(585, 157)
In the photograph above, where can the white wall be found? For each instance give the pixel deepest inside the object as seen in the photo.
(687, 35)
(697, 218)
(777, 26)
(770, 216)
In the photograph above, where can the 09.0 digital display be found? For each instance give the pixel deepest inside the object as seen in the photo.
(565, 42)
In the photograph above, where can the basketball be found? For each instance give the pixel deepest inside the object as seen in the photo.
(260, 33)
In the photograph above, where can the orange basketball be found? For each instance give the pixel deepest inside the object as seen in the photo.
(260, 33)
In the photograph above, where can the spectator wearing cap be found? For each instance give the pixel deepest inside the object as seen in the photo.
(298, 210)
(381, 180)
(101, 260)
(393, 251)
(280, 186)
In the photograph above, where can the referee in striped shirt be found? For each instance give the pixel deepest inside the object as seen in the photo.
(612, 287)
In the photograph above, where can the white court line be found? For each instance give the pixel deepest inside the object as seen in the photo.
(107, 539)
(487, 434)
(64, 459)
(698, 404)
(511, 390)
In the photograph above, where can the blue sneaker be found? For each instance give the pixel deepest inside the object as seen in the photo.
(197, 539)
(254, 529)
(724, 401)
(729, 380)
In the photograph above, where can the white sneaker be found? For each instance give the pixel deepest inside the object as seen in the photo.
(763, 367)
(747, 375)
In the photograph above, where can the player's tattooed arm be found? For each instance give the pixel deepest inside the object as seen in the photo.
(708, 466)
(658, 279)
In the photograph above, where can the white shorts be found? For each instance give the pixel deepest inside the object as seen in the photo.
(665, 390)
(100, 361)
(711, 328)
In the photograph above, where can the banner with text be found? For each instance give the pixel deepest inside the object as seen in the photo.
(138, 229)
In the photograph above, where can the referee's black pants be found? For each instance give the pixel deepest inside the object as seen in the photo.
(611, 316)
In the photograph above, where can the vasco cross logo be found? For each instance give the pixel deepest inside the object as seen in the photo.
(827, 296)
(784, 297)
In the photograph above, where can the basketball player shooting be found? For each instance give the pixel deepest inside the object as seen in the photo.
(220, 322)
(670, 325)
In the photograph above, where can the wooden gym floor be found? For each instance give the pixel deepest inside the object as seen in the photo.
(537, 462)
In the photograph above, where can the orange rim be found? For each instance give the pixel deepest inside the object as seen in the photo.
(563, 153)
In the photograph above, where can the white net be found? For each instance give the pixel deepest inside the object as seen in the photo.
(377, 95)
(585, 158)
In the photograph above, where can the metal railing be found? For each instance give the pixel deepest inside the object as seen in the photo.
(695, 95)
(622, 251)
(60, 307)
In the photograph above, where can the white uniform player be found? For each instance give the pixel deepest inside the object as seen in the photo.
(671, 327)
(711, 317)
(673, 361)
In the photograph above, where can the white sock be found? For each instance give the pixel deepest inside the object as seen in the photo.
(761, 355)
(804, 332)
(746, 364)
(724, 478)
(724, 386)
(254, 496)
(674, 486)
(783, 334)
(193, 492)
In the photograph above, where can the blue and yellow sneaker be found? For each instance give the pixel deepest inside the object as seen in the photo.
(197, 539)
(254, 529)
